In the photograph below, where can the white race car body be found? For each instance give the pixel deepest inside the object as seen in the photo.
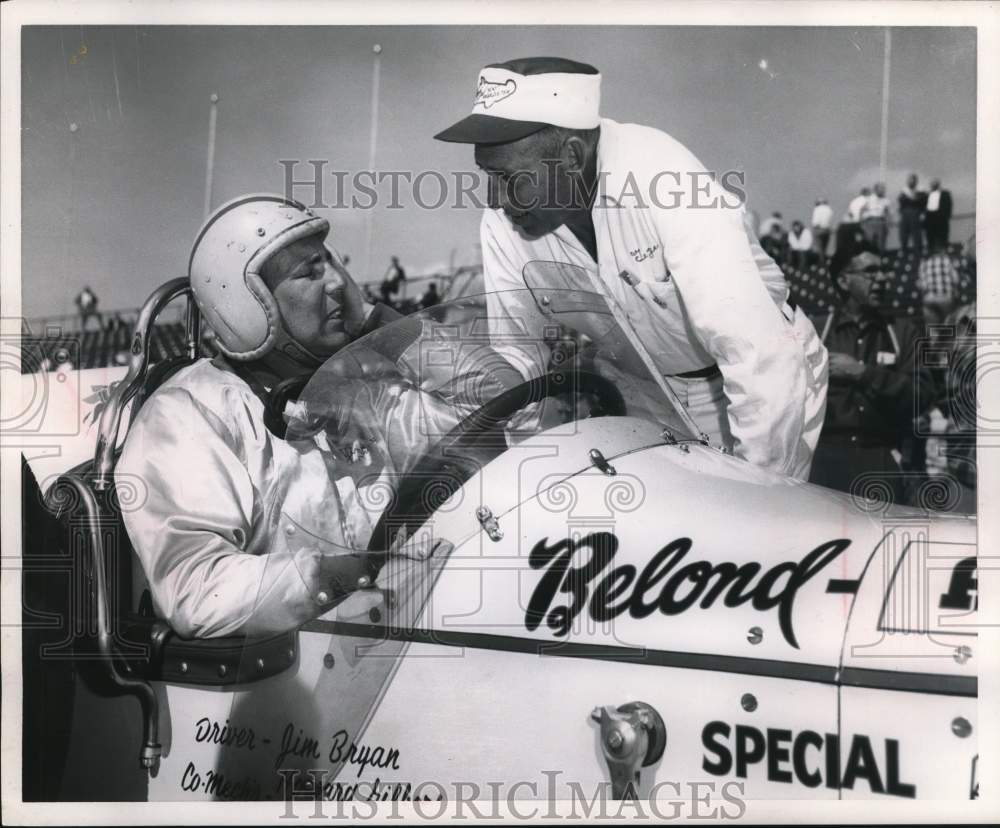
(800, 642)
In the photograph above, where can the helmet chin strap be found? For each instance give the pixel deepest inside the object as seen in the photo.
(289, 358)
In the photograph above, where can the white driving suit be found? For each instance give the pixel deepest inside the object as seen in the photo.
(677, 258)
(232, 520)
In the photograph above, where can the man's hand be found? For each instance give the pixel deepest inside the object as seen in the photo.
(346, 573)
(846, 367)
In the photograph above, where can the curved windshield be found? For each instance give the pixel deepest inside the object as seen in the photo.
(386, 430)
(415, 408)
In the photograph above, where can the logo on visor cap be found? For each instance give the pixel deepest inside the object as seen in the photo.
(489, 93)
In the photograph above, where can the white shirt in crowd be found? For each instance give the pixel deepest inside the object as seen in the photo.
(695, 285)
(822, 216)
(933, 201)
(803, 241)
(855, 208)
(876, 207)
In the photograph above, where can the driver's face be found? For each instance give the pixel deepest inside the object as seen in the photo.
(309, 286)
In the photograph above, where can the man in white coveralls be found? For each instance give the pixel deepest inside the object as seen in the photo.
(665, 243)
(242, 531)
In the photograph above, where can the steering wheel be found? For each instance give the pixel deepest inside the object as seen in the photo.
(441, 471)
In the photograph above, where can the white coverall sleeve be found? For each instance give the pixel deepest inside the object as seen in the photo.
(192, 531)
(737, 321)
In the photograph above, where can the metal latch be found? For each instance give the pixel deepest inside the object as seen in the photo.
(633, 737)
(597, 459)
(489, 523)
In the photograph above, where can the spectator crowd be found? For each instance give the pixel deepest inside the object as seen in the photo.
(900, 420)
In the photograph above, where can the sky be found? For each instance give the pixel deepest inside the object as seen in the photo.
(115, 124)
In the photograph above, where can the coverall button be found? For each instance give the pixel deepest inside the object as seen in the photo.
(323, 597)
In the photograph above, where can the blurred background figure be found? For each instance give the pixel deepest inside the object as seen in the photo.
(850, 224)
(768, 225)
(773, 237)
(951, 421)
(869, 425)
(875, 217)
(86, 303)
(937, 215)
(857, 206)
(393, 280)
(431, 296)
(822, 223)
(912, 203)
(800, 244)
(938, 283)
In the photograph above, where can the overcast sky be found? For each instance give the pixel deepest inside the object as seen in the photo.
(116, 203)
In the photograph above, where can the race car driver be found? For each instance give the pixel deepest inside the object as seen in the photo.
(662, 240)
(240, 530)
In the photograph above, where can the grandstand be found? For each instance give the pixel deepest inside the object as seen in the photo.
(813, 290)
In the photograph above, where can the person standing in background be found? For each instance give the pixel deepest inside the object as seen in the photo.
(875, 217)
(800, 243)
(822, 221)
(86, 303)
(912, 203)
(857, 206)
(393, 281)
(937, 216)
(770, 224)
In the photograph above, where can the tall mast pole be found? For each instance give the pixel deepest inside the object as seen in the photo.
(884, 144)
(372, 144)
(210, 159)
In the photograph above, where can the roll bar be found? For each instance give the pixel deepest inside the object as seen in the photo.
(107, 437)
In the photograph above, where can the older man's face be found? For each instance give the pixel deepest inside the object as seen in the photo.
(533, 191)
(864, 279)
(310, 287)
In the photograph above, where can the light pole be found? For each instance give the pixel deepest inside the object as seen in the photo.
(372, 144)
(884, 144)
(210, 159)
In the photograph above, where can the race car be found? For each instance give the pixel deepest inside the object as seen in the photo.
(587, 597)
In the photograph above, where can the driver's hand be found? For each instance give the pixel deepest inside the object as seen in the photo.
(351, 432)
(343, 574)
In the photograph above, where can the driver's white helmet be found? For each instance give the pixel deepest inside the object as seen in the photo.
(226, 259)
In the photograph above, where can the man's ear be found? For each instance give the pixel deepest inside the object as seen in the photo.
(574, 154)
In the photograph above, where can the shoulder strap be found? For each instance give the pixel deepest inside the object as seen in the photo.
(893, 337)
(826, 328)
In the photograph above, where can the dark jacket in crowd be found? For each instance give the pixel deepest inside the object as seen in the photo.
(867, 418)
